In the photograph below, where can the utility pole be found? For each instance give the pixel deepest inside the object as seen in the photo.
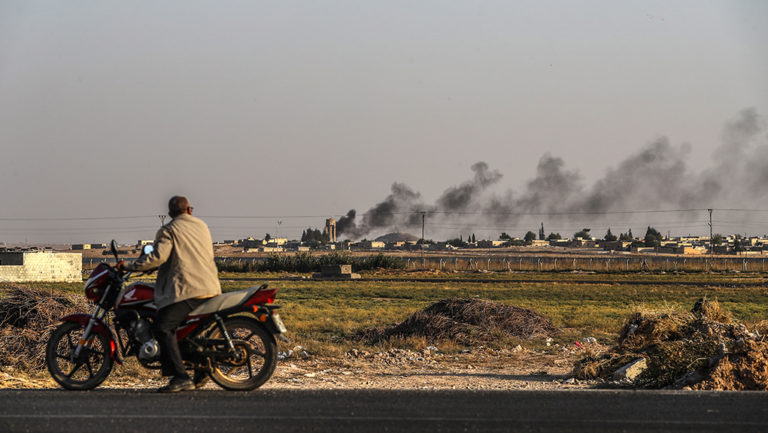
(162, 219)
(423, 220)
(711, 242)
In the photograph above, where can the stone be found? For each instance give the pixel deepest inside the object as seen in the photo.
(630, 372)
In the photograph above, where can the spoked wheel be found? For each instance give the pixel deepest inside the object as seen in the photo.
(255, 360)
(88, 369)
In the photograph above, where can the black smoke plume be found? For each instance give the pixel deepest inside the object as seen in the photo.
(655, 178)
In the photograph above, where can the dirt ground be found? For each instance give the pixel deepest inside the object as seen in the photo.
(486, 369)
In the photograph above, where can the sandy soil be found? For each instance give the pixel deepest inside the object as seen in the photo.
(394, 369)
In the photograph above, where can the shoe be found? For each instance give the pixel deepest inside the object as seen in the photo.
(177, 384)
(201, 379)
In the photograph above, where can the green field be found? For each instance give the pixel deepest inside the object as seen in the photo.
(321, 314)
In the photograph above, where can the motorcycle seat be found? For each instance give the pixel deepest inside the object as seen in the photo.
(225, 300)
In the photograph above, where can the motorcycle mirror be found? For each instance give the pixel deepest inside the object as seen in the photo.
(113, 248)
(147, 250)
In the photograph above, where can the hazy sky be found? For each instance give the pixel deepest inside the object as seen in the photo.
(312, 108)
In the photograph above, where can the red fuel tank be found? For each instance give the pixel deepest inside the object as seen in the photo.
(138, 295)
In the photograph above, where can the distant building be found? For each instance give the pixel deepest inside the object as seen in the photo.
(330, 230)
(370, 245)
(263, 249)
(140, 243)
(492, 244)
(22, 266)
(397, 237)
(583, 243)
(616, 245)
(81, 246)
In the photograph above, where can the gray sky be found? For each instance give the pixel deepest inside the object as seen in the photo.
(313, 108)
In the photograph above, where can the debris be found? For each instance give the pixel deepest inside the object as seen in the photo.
(700, 349)
(27, 317)
(548, 341)
(466, 321)
(589, 340)
(629, 372)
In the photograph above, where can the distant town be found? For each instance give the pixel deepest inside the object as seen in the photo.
(326, 240)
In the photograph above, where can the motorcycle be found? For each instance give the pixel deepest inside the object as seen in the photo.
(231, 337)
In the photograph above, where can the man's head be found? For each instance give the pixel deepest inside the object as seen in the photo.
(178, 205)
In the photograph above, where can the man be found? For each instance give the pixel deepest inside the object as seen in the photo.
(187, 277)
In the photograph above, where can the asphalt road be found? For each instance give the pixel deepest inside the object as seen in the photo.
(377, 410)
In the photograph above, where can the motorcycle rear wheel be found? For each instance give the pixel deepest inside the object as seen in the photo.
(259, 360)
(86, 371)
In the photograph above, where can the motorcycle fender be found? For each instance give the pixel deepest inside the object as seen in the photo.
(101, 328)
(255, 314)
(264, 317)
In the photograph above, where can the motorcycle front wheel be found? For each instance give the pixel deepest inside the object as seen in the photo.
(88, 369)
(257, 358)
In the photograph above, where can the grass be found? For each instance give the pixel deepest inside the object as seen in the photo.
(320, 314)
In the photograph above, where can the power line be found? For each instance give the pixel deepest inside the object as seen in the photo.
(429, 212)
(78, 218)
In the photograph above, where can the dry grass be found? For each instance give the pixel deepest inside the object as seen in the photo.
(702, 348)
(27, 317)
(465, 321)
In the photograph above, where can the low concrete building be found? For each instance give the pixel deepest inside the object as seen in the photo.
(370, 245)
(81, 246)
(616, 245)
(491, 244)
(22, 266)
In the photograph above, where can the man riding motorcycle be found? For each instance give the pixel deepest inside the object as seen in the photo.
(187, 277)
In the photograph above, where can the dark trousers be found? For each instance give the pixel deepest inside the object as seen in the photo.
(168, 319)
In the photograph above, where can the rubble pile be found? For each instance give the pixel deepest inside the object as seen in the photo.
(700, 349)
(27, 317)
(467, 322)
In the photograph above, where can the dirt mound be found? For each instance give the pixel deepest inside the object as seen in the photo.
(700, 349)
(465, 321)
(27, 316)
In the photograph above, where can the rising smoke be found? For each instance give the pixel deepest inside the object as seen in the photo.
(655, 178)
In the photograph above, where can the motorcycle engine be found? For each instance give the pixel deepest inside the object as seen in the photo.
(149, 349)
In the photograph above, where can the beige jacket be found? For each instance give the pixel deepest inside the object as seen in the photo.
(184, 254)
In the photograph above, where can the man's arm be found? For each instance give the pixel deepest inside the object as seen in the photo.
(162, 250)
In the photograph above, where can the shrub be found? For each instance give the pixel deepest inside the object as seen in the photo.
(306, 262)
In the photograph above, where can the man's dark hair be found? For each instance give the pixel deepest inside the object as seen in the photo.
(177, 205)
